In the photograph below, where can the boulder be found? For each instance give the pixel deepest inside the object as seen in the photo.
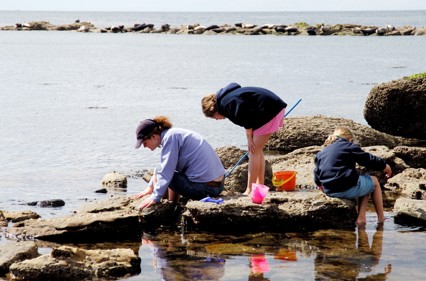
(115, 180)
(398, 107)
(410, 211)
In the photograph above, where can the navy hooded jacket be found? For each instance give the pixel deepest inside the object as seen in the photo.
(335, 165)
(248, 107)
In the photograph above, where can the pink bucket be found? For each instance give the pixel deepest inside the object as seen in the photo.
(258, 193)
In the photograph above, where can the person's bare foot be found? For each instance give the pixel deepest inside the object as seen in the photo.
(247, 192)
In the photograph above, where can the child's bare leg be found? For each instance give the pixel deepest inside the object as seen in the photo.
(362, 209)
(378, 200)
(256, 167)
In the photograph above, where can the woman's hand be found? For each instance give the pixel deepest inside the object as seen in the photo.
(147, 191)
(148, 202)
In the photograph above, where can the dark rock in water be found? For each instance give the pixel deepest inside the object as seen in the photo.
(311, 30)
(48, 203)
(214, 26)
(139, 27)
(51, 203)
(102, 190)
(368, 31)
(398, 107)
(280, 29)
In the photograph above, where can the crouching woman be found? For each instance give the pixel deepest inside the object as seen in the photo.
(189, 166)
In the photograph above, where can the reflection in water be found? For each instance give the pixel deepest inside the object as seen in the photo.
(198, 256)
(372, 254)
(172, 262)
(259, 265)
(320, 255)
(341, 257)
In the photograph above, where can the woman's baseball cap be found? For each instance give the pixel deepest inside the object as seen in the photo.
(144, 130)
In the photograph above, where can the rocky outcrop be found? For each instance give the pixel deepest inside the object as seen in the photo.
(20, 216)
(12, 252)
(398, 107)
(70, 263)
(300, 132)
(119, 218)
(298, 211)
(98, 221)
(300, 28)
(411, 183)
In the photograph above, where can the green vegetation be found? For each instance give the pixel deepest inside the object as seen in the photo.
(301, 24)
(418, 75)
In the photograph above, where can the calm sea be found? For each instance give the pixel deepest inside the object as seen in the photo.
(70, 102)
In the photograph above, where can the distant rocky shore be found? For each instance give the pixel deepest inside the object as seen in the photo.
(300, 28)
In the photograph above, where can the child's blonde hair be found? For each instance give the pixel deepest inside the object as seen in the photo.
(340, 132)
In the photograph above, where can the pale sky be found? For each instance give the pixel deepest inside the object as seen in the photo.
(211, 5)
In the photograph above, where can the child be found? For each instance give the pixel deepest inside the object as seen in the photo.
(335, 172)
(258, 110)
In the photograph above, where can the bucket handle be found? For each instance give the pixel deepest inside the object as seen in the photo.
(280, 183)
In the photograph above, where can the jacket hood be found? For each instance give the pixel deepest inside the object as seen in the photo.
(225, 90)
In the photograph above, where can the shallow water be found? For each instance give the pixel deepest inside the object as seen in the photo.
(391, 252)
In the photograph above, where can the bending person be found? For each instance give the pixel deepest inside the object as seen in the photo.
(258, 110)
(189, 165)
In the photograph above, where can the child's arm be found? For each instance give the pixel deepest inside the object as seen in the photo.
(388, 171)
